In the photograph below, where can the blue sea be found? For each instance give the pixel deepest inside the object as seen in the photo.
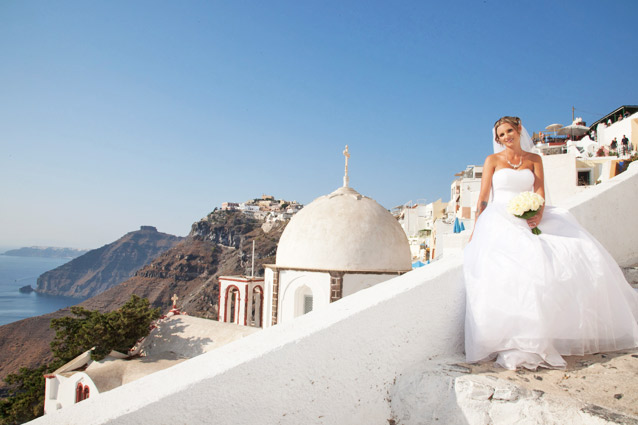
(16, 272)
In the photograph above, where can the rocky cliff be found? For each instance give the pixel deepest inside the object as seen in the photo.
(103, 268)
(220, 244)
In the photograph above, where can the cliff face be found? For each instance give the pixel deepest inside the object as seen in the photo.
(220, 244)
(103, 268)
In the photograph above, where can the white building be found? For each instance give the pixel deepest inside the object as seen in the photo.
(248, 208)
(621, 122)
(337, 245)
(229, 206)
(464, 193)
(417, 222)
(413, 218)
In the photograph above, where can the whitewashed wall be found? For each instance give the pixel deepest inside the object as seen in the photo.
(560, 177)
(414, 219)
(617, 130)
(605, 211)
(291, 281)
(337, 365)
(468, 188)
(356, 282)
(60, 391)
(268, 281)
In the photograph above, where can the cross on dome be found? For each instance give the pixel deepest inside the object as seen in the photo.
(174, 298)
(346, 180)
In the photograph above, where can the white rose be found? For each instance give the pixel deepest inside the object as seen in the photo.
(535, 204)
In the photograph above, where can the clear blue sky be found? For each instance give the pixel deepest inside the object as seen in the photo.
(117, 114)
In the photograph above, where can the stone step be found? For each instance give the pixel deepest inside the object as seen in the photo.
(596, 389)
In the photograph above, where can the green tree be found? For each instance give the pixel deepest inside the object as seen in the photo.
(26, 396)
(116, 330)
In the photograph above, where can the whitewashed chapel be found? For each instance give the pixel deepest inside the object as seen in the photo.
(337, 245)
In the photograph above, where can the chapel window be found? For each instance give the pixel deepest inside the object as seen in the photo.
(79, 393)
(307, 304)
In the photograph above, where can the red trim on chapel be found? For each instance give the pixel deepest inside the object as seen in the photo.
(82, 392)
(237, 305)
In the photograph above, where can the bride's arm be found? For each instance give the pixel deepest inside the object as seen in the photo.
(486, 186)
(539, 188)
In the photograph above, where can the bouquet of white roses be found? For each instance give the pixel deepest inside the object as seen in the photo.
(525, 205)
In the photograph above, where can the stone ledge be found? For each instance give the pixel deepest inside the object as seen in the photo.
(598, 389)
(607, 380)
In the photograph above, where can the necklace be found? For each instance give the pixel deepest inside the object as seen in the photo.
(514, 166)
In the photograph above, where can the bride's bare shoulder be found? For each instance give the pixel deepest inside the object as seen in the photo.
(534, 157)
(491, 160)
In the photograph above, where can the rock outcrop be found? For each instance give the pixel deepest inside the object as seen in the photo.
(219, 244)
(105, 267)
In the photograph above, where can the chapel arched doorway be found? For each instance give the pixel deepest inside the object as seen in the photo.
(232, 305)
(256, 307)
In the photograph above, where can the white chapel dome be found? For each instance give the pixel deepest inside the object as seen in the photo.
(344, 231)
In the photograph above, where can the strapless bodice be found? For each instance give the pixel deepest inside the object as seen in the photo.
(507, 183)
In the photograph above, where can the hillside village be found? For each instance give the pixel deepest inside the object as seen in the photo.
(266, 208)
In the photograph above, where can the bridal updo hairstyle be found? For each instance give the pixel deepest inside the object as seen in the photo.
(513, 121)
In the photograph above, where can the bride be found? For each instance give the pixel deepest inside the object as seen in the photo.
(532, 299)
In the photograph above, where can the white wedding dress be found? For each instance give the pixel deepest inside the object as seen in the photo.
(532, 299)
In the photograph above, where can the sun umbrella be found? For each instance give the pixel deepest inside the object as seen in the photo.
(574, 130)
(554, 127)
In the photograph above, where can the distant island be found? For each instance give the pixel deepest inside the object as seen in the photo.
(46, 252)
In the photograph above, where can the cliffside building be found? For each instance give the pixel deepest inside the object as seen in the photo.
(464, 193)
(417, 222)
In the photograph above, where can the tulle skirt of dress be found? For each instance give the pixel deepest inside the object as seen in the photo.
(532, 299)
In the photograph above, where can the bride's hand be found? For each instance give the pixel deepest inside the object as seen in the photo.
(535, 221)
